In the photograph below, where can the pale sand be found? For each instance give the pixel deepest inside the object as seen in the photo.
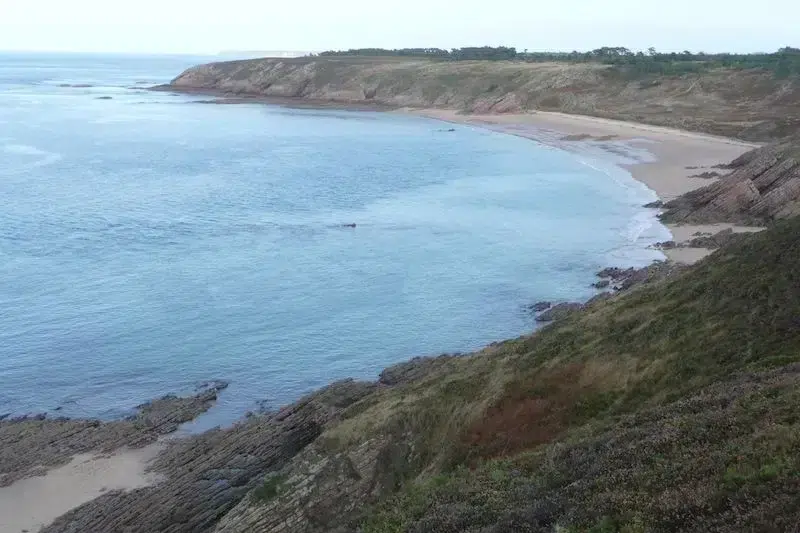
(664, 159)
(32, 503)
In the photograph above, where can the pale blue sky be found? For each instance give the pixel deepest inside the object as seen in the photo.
(205, 26)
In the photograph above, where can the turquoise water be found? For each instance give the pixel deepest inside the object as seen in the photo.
(150, 242)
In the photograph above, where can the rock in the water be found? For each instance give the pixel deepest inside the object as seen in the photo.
(666, 245)
(622, 279)
(538, 307)
(602, 284)
(559, 311)
(655, 205)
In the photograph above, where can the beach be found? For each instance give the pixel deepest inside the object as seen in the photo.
(668, 161)
(665, 160)
(34, 502)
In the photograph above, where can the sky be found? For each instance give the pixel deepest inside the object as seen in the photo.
(208, 27)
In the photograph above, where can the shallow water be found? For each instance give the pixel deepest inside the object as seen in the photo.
(150, 242)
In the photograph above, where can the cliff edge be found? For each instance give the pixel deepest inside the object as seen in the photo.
(747, 104)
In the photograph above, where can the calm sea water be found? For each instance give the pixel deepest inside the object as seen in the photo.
(149, 242)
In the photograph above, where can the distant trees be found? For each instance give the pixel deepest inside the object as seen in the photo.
(784, 63)
(479, 53)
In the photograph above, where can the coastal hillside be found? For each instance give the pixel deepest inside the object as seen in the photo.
(763, 185)
(751, 104)
(670, 407)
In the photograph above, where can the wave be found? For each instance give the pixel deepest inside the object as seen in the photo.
(44, 157)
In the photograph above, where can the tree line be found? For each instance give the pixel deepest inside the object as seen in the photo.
(783, 63)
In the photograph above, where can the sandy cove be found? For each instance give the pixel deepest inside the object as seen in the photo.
(665, 160)
(668, 161)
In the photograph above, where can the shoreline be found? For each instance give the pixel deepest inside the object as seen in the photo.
(664, 160)
(667, 161)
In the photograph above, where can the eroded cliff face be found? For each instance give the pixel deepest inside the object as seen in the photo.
(763, 186)
(749, 104)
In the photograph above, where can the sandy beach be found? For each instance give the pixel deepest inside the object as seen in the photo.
(668, 161)
(32, 503)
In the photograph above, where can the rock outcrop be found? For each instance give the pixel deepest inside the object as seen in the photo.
(764, 185)
(724, 102)
(31, 445)
(623, 279)
(559, 311)
(207, 475)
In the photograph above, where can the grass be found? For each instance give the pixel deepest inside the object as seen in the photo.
(671, 408)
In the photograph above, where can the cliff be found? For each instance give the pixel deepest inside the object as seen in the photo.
(764, 185)
(671, 407)
(748, 104)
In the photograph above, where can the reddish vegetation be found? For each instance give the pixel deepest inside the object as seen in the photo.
(524, 419)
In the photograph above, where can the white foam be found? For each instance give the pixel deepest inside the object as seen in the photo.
(45, 157)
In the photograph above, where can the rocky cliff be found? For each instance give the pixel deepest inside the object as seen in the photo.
(764, 185)
(748, 104)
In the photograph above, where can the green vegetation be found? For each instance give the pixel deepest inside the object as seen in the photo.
(783, 63)
(673, 408)
(479, 53)
(268, 490)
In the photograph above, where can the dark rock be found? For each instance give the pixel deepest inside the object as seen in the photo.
(624, 278)
(602, 284)
(351, 225)
(718, 240)
(207, 475)
(413, 370)
(602, 297)
(559, 311)
(104, 98)
(707, 175)
(31, 442)
(615, 273)
(655, 205)
(538, 307)
(666, 245)
(764, 186)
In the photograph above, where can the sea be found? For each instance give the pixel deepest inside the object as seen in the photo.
(151, 242)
